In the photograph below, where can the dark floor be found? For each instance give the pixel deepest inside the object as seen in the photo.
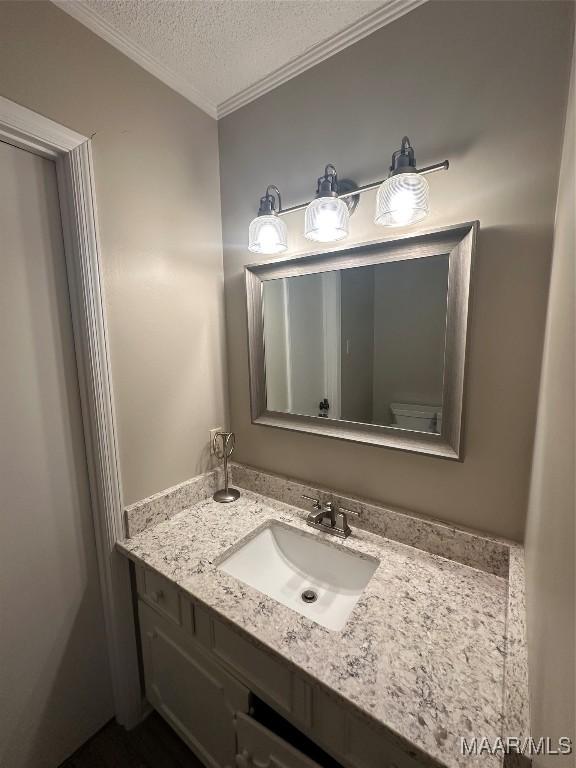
(153, 744)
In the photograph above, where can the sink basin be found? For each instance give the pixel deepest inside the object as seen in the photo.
(314, 578)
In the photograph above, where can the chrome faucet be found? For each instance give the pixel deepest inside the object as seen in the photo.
(329, 517)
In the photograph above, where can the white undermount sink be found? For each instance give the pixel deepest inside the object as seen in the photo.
(314, 578)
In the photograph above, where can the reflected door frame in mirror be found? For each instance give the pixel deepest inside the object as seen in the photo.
(458, 242)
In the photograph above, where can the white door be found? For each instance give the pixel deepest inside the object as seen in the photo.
(55, 689)
(313, 318)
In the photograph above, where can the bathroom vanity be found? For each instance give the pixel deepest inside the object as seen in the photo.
(428, 646)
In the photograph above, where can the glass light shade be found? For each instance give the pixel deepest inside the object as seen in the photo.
(326, 220)
(402, 200)
(267, 234)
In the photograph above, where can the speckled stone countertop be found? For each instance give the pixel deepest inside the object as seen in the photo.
(422, 653)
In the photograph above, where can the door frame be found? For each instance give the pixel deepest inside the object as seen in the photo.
(72, 154)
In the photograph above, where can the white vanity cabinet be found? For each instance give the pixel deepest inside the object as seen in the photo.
(197, 697)
(206, 678)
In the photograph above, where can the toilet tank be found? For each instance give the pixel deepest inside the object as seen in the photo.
(417, 417)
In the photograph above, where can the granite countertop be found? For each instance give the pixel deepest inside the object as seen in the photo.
(422, 653)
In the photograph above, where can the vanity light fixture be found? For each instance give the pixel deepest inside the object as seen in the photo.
(402, 199)
(268, 233)
(327, 217)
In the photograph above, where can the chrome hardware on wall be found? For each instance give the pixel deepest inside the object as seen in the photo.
(223, 445)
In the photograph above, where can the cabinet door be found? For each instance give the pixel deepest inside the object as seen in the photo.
(195, 695)
(260, 748)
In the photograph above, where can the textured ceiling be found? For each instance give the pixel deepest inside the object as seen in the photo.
(217, 50)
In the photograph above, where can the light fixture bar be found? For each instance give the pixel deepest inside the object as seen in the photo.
(367, 187)
(435, 167)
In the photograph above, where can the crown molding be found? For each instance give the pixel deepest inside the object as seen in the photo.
(89, 18)
(362, 28)
(388, 13)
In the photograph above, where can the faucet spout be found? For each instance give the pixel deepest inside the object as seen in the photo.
(327, 517)
(315, 517)
(330, 513)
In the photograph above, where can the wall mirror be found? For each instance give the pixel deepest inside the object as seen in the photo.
(366, 343)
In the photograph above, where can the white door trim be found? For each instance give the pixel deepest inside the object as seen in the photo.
(73, 158)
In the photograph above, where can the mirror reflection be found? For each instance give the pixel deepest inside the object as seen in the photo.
(363, 344)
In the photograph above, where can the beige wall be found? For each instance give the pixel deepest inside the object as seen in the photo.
(550, 553)
(484, 84)
(357, 343)
(157, 184)
(409, 333)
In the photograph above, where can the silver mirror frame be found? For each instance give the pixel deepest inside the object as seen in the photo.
(459, 242)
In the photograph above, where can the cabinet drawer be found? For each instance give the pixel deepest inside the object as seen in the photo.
(159, 593)
(353, 740)
(255, 666)
(368, 749)
(257, 746)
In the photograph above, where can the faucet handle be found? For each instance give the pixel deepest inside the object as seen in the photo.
(341, 519)
(315, 502)
(356, 513)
